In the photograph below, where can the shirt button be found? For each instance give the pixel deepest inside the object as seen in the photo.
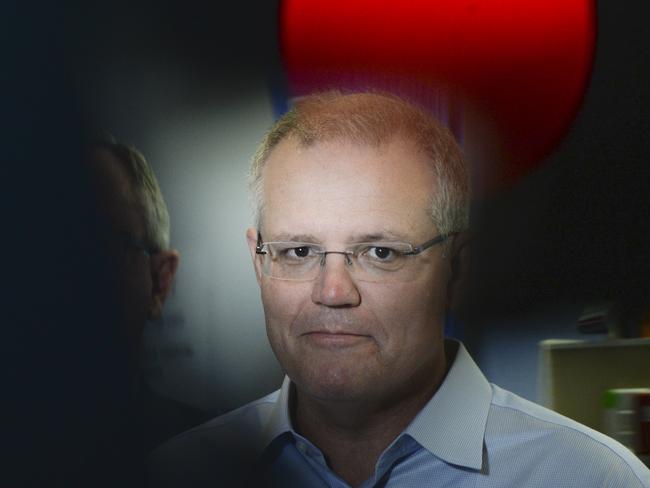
(301, 447)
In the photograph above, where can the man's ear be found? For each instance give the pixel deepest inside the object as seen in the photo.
(163, 269)
(251, 240)
(460, 257)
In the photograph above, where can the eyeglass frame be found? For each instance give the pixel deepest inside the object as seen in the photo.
(139, 245)
(414, 249)
(127, 240)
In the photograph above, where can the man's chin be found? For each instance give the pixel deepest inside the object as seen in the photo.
(335, 385)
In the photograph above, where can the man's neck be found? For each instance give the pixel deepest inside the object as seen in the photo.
(353, 434)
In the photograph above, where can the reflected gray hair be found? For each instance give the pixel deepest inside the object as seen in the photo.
(375, 119)
(147, 192)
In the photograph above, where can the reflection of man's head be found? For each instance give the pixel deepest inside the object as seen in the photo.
(135, 232)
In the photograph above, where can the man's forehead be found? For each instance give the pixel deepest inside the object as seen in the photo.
(341, 223)
(108, 172)
(114, 191)
(359, 188)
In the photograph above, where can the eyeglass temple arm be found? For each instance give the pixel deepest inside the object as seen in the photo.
(432, 242)
(260, 244)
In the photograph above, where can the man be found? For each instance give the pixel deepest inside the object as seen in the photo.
(139, 267)
(361, 204)
(134, 224)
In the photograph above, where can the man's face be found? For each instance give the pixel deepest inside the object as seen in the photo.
(123, 225)
(336, 337)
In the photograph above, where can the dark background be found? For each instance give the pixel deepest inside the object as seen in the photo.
(577, 228)
(574, 231)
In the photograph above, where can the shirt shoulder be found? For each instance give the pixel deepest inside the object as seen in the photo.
(551, 447)
(210, 452)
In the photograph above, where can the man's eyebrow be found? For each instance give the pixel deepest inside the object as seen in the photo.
(369, 237)
(288, 237)
(380, 236)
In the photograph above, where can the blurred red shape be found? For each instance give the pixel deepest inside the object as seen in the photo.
(518, 68)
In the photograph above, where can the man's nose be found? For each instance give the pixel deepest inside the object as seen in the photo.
(334, 286)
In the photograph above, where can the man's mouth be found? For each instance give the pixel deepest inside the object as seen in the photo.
(328, 338)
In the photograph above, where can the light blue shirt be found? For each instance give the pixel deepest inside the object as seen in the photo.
(470, 434)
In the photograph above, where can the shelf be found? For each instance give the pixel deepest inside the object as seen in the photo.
(573, 375)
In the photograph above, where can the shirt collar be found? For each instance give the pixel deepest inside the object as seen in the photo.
(279, 421)
(451, 425)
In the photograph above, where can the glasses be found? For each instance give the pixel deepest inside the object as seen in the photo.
(134, 243)
(118, 244)
(366, 261)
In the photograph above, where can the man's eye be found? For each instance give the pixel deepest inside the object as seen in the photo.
(381, 253)
(298, 252)
(301, 252)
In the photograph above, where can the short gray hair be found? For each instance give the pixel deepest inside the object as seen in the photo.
(373, 118)
(146, 190)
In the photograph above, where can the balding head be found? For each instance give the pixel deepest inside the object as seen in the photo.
(137, 186)
(374, 120)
